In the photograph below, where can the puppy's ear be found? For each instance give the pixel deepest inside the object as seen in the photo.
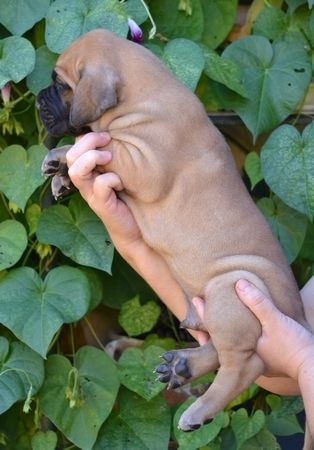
(94, 94)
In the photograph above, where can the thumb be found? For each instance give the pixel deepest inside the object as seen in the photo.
(260, 305)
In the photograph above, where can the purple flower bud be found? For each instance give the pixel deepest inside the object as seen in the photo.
(5, 92)
(136, 32)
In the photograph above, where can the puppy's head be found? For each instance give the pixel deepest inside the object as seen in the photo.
(83, 87)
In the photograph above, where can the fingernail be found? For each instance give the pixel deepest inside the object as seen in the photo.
(243, 285)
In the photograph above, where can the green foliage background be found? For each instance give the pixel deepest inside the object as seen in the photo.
(56, 260)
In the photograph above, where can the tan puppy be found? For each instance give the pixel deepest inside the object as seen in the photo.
(187, 197)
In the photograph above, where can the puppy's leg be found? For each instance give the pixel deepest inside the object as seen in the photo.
(183, 366)
(234, 332)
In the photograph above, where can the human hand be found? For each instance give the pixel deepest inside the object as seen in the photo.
(87, 160)
(285, 346)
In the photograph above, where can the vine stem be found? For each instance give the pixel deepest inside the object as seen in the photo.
(91, 329)
(72, 339)
(153, 30)
(174, 328)
(29, 251)
(6, 206)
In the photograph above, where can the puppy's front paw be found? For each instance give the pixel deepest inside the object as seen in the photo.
(55, 162)
(61, 186)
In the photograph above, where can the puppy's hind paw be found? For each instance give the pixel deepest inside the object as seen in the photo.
(174, 371)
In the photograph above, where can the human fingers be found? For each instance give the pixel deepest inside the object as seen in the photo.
(85, 143)
(260, 305)
(82, 169)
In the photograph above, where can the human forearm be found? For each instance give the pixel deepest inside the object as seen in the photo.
(279, 385)
(307, 294)
(306, 383)
(154, 270)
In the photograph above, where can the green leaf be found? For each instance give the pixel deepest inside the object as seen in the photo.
(124, 284)
(137, 319)
(40, 77)
(224, 71)
(294, 4)
(219, 18)
(78, 233)
(19, 16)
(185, 59)
(78, 399)
(200, 437)
(173, 23)
(135, 10)
(286, 405)
(245, 427)
(34, 309)
(32, 215)
(271, 23)
(287, 160)
(252, 166)
(283, 421)
(20, 172)
(13, 242)
(244, 396)
(286, 223)
(96, 287)
(276, 77)
(136, 370)
(263, 440)
(21, 373)
(66, 22)
(17, 59)
(136, 424)
(44, 441)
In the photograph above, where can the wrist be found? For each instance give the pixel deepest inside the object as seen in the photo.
(305, 367)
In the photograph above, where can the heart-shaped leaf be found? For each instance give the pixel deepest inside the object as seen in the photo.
(287, 160)
(138, 424)
(19, 16)
(40, 77)
(175, 23)
(186, 60)
(252, 165)
(135, 10)
(224, 71)
(44, 441)
(276, 77)
(286, 223)
(20, 172)
(79, 398)
(66, 22)
(138, 319)
(21, 373)
(78, 232)
(200, 437)
(136, 370)
(245, 427)
(271, 22)
(34, 309)
(17, 59)
(264, 439)
(13, 242)
(219, 18)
